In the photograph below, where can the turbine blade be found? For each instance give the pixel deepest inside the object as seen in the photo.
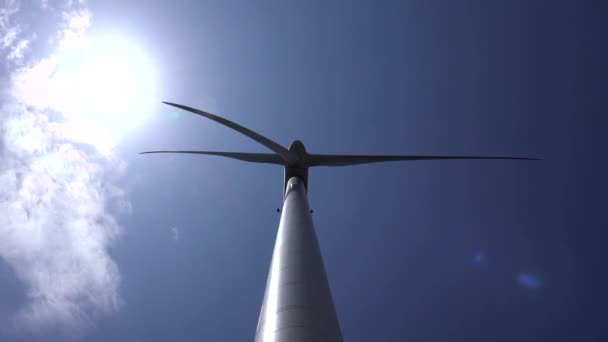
(345, 160)
(268, 158)
(273, 146)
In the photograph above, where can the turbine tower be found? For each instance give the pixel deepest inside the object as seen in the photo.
(297, 305)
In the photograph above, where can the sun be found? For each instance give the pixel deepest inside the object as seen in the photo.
(108, 86)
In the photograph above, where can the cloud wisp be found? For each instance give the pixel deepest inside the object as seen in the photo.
(174, 233)
(55, 226)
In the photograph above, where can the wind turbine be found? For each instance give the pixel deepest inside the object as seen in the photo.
(297, 303)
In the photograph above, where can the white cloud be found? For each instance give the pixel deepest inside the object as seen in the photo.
(9, 36)
(10, 46)
(16, 54)
(9, 8)
(55, 226)
(35, 85)
(72, 35)
(174, 233)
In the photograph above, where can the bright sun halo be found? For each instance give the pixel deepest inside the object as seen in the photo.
(107, 86)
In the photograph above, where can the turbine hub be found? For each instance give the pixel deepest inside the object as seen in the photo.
(299, 168)
(298, 147)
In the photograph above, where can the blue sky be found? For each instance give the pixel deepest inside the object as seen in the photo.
(99, 243)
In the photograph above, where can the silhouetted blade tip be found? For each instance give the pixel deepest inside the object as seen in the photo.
(271, 145)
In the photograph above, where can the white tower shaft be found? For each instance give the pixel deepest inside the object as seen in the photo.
(297, 303)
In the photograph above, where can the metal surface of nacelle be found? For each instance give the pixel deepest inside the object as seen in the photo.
(297, 304)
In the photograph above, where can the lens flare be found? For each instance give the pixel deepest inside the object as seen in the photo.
(479, 258)
(528, 280)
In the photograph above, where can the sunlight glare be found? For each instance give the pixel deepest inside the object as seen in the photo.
(108, 86)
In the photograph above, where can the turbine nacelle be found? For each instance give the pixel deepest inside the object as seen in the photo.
(300, 156)
(298, 167)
